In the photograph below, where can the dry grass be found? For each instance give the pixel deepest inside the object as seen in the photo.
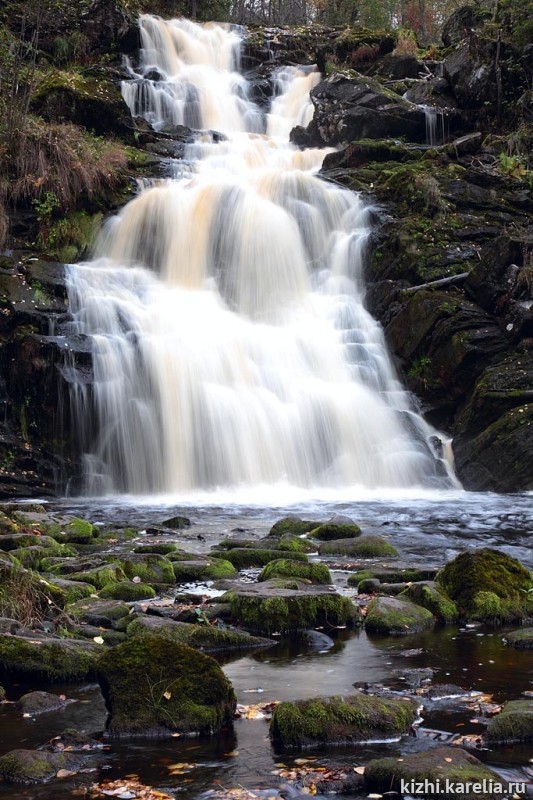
(22, 598)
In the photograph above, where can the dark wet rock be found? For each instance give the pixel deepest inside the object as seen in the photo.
(200, 636)
(513, 724)
(522, 639)
(288, 568)
(368, 546)
(8, 625)
(445, 691)
(17, 540)
(36, 766)
(461, 22)
(39, 702)
(338, 720)
(416, 677)
(470, 71)
(73, 590)
(100, 612)
(336, 529)
(96, 634)
(437, 764)
(467, 145)
(266, 607)
(430, 596)
(435, 92)
(153, 686)
(73, 740)
(488, 586)
(397, 67)
(177, 523)
(315, 640)
(390, 615)
(347, 109)
(46, 657)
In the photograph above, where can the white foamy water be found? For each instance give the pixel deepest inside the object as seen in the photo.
(232, 349)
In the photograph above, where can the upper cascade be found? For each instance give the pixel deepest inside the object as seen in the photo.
(231, 345)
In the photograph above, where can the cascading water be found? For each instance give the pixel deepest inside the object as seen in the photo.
(225, 306)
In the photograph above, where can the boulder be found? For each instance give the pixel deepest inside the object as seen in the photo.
(336, 530)
(348, 109)
(390, 615)
(203, 570)
(402, 573)
(340, 720)
(37, 702)
(256, 557)
(488, 585)
(151, 568)
(127, 591)
(428, 595)
(369, 546)
(200, 636)
(522, 639)
(154, 686)
(36, 766)
(436, 766)
(46, 658)
(283, 568)
(292, 524)
(470, 71)
(513, 724)
(459, 24)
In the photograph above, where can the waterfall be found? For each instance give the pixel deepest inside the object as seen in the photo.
(231, 345)
(435, 125)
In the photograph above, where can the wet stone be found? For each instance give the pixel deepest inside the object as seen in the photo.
(39, 702)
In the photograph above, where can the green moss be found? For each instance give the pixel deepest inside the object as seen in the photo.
(522, 639)
(151, 568)
(363, 547)
(488, 585)
(282, 568)
(174, 688)
(291, 525)
(436, 765)
(201, 636)
(332, 530)
(31, 557)
(391, 575)
(255, 557)
(160, 549)
(73, 590)
(126, 590)
(291, 612)
(435, 600)
(50, 659)
(211, 569)
(100, 576)
(390, 615)
(338, 720)
(513, 724)
(295, 544)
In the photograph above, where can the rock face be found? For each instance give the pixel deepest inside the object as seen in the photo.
(153, 686)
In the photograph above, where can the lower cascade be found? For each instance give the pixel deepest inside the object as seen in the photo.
(231, 345)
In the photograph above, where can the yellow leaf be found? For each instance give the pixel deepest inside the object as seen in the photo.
(449, 760)
(98, 639)
(167, 695)
(359, 770)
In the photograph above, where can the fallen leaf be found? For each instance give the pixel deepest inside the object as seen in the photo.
(98, 639)
(136, 579)
(449, 760)
(65, 773)
(167, 695)
(359, 770)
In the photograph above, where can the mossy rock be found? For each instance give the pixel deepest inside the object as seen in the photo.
(513, 724)
(127, 591)
(241, 558)
(46, 657)
(155, 686)
(283, 568)
(489, 586)
(395, 617)
(339, 720)
(522, 639)
(291, 525)
(369, 546)
(330, 531)
(201, 636)
(429, 596)
(177, 523)
(160, 549)
(100, 576)
(15, 541)
(266, 608)
(295, 544)
(73, 590)
(151, 568)
(103, 612)
(399, 574)
(185, 555)
(109, 637)
(31, 557)
(436, 766)
(78, 531)
(36, 766)
(210, 569)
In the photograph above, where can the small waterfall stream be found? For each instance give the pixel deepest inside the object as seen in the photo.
(225, 306)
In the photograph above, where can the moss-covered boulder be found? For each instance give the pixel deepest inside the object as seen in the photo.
(38, 702)
(14, 541)
(336, 530)
(489, 586)
(522, 639)
(151, 568)
(101, 612)
(397, 574)
(436, 766)
(73, 590)
(201, 636)
(513, 724)
(203, 570)
(162, 549)
(294, 544)
(36, 766)
(127, 591)
(266, 608)
(370, 546)
(241, 558)
(283, 568)
(46, 658)
(291, 525)
(78, 531)
(154, 686)
(430, 596)
(99, 576)
(390, 615)
(338, 720)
